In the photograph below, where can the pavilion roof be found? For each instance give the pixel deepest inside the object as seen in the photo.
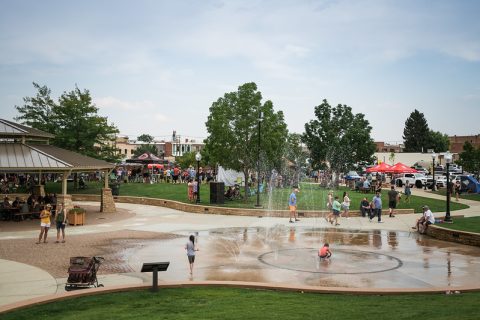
(18, 157)
(9, 129)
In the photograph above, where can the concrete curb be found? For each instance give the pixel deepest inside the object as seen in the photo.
(452, 235)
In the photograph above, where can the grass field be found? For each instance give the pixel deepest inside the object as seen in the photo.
(471, 224)
(228, 303)
(467, 196)
(311, 196)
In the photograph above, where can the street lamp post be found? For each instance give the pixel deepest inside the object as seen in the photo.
(198, 157)
(260, 115)
(433, 170)
(448, 160)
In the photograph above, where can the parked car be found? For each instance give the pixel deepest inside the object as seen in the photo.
(422, 170)
(352, 175)
(440, 181)
(414, 179)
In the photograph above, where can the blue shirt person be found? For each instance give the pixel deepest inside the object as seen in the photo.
(377, 207)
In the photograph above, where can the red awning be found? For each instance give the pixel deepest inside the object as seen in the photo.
(401, 168)
(382, 167)
(154, 165)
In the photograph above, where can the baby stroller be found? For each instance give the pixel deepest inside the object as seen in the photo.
(82, 273)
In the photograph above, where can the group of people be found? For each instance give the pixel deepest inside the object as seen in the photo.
(174, 174)
(336, 207)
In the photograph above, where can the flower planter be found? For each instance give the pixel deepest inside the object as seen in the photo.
(76, 216)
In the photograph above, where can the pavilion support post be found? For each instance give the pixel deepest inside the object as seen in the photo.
(107, 203)
(106, 180)
(64, 183)
(39, 190)
(65, 198)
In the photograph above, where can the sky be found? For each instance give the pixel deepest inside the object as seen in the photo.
(157, 66)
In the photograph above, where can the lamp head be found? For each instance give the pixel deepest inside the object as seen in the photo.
(198, 156)
(434, 155)
(448, 157)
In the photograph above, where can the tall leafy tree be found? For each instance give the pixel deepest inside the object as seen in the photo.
(74, 121)
(146, 147)
(145, 138)
(186, 160)
(438, 141)
(233, 131)
(338, 139)
(37, 112)
(296, 156)
(416, 134)
(470, 158)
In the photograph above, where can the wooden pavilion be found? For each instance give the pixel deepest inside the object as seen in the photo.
(27, 150)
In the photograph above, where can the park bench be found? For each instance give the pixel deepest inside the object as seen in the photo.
(20, 216)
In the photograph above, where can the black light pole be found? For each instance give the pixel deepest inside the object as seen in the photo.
(198, 157)
(448, 159)
(260, 114)
(433, 170)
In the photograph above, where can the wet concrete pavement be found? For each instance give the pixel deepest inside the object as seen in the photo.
(366, 254)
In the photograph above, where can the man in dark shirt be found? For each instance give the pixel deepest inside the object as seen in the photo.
(392, 200)
(365, 208)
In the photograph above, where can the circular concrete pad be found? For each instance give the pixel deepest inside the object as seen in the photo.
(283, 254)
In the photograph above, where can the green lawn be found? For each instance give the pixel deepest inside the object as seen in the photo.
(227, 303)
(467, 196)
(311, 196)
(471, 224)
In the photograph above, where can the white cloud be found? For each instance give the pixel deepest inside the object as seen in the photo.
(114, 103)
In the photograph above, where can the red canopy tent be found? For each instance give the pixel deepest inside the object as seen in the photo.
(155, 165)
(382, 167)
(400, 168)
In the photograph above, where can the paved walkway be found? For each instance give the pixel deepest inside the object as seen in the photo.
(20, 282)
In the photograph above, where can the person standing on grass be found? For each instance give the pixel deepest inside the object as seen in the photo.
(195, 189)
(190, 190)
(292, 203)
(329, 217)
(392, 201)
(45, 215)
(377, 207)
(346, 205)
(60, 221)
(407, 192)
(457, 190)
(190, 248)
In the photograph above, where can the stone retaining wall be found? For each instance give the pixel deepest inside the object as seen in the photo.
(205, 209)
(463, 237)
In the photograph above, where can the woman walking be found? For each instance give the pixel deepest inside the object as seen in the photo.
(60, 222)
(44, 223)
(407, 192)
(191, 248)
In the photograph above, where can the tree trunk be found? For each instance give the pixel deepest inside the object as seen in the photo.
(247, 191)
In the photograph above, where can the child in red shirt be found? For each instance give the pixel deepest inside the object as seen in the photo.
(324, 252)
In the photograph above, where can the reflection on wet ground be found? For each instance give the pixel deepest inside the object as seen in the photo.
(362, 259)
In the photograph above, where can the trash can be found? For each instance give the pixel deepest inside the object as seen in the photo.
(115, 189)
(217, 192)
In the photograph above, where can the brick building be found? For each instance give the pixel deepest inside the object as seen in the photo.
(457, 142)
